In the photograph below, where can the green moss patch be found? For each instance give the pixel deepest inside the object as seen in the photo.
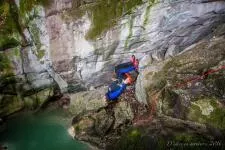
(130, 31)
(30, 102)
(5, 66)
(4, 63)
(200, 111)
(7, 78)
(186, 66)
(10, 104)
(146, 17)
(130, 140)
(105, 14)
(27, 5)
(9, 34)
(134, 133)
(16, 52)
(40, 53)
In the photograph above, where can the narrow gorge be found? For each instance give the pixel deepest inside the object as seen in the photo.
(62, 54)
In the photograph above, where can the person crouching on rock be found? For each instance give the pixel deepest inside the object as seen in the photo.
(127, 67)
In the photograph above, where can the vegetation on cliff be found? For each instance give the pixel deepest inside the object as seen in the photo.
(186, 100)
(27, 5)
(17, 92)
(105, 14)
(9, 33)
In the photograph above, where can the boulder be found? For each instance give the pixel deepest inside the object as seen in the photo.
(88, 100)
(123, 114)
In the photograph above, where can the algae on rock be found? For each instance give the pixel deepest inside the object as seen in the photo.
(9, 34)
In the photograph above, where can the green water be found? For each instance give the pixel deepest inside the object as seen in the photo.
(42, 131)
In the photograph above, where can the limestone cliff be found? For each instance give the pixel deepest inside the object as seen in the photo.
(73, 45)
(86, 41)
(185, 99)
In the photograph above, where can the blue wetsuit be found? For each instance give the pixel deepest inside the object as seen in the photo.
(113, 95)
(122, 71)
(123, 65)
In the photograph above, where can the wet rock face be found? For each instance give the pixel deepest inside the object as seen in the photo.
(161, 29)
(69, 43)
(24, 81)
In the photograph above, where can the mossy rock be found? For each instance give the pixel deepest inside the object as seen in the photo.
(30, 102)
(8, 42)
(83, 126)
(10, 104)
(5, 65)
(103, 122)
(86, 101)
(35, 33)
(122, 113)
(16, 51)
(7, 78)
(44, 95)
(37, 99)
(187, 65)
(27, 5)
(104, 14)
(169, 100)
(130, 139)
(177, 70)
(135, 138)
(9, 33)
(198, 101)
(208, 111)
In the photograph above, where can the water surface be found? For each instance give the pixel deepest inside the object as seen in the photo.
(39, 131)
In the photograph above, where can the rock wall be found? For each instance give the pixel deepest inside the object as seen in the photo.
(160, 29)
(191, 85)
(179, 110)
(76, 44)
(25, 81)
